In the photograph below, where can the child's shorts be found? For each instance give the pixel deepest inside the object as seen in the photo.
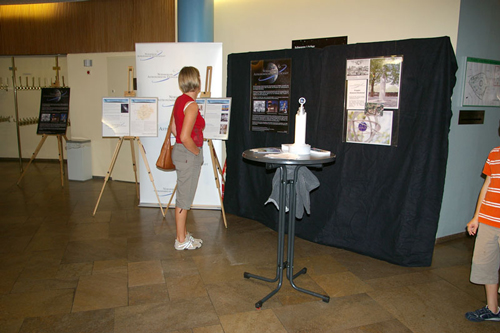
(486, 258)
(188, 167)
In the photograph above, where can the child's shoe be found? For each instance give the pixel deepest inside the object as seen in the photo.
(483, 314)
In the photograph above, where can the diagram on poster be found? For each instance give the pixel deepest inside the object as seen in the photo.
(482, 83)
(372, 99)
(124, 116)
(216, 112)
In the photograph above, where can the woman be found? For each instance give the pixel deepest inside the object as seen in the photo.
(187, 154)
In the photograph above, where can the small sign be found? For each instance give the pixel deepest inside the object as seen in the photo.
(318, 43)
(471, 117)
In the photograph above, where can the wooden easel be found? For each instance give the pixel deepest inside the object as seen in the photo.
(130, 93)
(112, 165)
(215, 161)
(44, 136)
(217, 170)
(61, 159)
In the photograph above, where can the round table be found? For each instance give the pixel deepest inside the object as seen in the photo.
(276, 160)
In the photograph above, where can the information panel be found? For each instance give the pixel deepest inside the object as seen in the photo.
(270, 95)
(54, 110)
(133, 116)
(216, 112)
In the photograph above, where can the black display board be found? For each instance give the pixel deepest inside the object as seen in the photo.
(382, 201)
(54, 111)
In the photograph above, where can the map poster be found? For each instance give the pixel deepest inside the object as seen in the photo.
(270, 95)
(216, 112)
(54, 110)
(123, 116)
(482, 83)
(143, 116)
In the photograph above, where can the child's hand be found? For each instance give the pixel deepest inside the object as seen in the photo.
(472, 226)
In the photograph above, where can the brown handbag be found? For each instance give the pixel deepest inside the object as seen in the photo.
(164, 161)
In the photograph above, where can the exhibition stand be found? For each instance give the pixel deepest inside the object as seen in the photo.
(384, 108)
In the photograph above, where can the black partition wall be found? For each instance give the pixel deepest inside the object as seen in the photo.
(382, 201)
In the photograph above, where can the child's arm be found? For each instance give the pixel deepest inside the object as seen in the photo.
(473, 224)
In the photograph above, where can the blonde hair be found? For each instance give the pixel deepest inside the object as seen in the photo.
(189, 79)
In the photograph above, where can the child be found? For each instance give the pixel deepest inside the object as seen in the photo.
(486, 258)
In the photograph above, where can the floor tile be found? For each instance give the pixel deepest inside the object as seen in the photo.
(164, 317)
(154, 293)
(340, 314)
(101, 291)
(144, 273)
(36, 304)
(254, 321)
(101, 321)
(432, 307)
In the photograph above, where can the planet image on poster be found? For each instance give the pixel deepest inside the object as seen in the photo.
(273, 71)
(56, 96)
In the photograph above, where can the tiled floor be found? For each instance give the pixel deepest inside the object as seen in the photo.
(62, 270)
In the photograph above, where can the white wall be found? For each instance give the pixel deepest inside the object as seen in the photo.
(108, 77)
(470, 144)
(258, 25)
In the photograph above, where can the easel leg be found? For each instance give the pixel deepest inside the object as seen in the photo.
(134, 166)
(143, 152)
(215, 162)
(61, 158)
(33, 156)
(108, 174)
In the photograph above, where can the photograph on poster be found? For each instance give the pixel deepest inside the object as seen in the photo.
(216, 112)
(54, 109)
(358, 69)
(482, 83)
(270, 95)
(369, 129)
(123, 116)
(384, 81)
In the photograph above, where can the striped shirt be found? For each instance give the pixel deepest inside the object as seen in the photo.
(489, 213)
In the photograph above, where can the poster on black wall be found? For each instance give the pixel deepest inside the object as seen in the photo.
(54, 111)
(270, 95)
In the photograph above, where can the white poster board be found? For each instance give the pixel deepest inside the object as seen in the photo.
(217, 112)
(157, 68)
(125, 116)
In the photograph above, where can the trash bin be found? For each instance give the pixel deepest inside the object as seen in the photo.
(79, 157)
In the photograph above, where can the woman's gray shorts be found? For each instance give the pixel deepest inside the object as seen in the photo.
(188, 167)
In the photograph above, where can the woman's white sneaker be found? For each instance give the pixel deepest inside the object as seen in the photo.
(196, 240)
(188, 244)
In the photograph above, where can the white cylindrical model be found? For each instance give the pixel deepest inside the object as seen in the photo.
(300, 147)
(300, 126)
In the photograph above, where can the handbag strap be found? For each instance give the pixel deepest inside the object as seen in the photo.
(169, 130)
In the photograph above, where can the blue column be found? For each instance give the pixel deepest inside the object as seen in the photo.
(195, 20)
